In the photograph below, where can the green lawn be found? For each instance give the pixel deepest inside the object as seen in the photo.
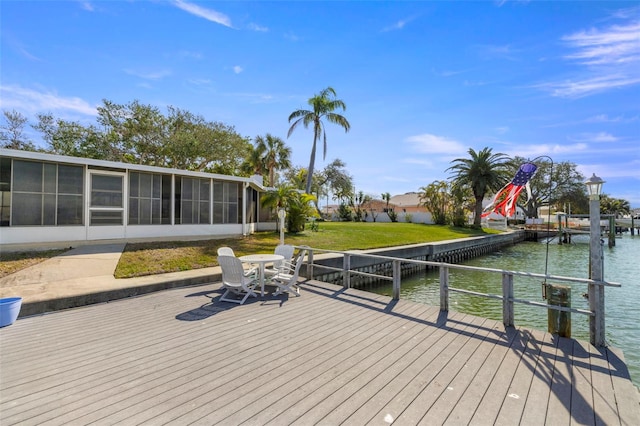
(152, 258)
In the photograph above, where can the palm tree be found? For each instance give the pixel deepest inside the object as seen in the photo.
(279, 198)
(254, 162)
(483, 172)
(436, 197)
(323, 105)
(275, 154)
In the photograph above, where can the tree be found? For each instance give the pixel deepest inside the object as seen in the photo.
(483, 172)
(438, 200)
(279, 198)
(334, 179)
(558, 184)
(323, 105)
(393, 215)
(74, 139)
(615, 206)
(356, 203)
(463, 202)
(275, 155)
(299, 209)
(253, 163)
(12, 132)
(297, 177)
(297, 205)
(142, 134)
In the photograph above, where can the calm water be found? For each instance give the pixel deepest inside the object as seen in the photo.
(621, 264)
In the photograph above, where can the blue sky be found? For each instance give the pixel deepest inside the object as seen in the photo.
(423, 81)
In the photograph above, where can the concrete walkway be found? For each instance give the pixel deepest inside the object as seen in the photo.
(84, 276)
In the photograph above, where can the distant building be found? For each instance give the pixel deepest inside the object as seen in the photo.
(407, 207)
(408, 203)
(52, 198)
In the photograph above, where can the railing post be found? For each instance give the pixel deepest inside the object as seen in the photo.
(309, 263)
(346, 271)
(507, 299)
(444, 288)
(397, 277)
(596, 291)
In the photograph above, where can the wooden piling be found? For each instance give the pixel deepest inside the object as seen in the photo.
(559, 322)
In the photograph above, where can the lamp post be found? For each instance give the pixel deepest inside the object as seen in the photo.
(596, 292)
(281, 215)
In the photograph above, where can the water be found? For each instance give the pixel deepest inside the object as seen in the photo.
(621, 264)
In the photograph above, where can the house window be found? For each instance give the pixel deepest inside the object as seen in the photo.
(193, 199)
(5, 191)
(149, 199)
(44, 194)
(227, 196)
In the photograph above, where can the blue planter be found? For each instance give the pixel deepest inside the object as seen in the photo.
(9, 310)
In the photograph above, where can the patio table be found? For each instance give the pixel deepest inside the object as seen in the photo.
(261, 260)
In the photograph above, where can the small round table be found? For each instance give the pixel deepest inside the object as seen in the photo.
(261, 260)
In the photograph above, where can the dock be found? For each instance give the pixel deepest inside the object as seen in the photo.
(331, 356)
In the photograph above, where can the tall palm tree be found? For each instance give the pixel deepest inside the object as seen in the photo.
(253, 163)
(275, 154)
(483, 172)
(323, 105)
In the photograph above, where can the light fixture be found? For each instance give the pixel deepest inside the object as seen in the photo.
(594, 186)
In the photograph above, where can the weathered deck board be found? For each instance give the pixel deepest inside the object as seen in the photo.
(328, 357)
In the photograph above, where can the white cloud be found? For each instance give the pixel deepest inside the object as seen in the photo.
(237, 69)
(151, 75)
(395, 26)
(256, 27)
(589, 86)
(187, 54)
(33, 101)
(399, 24)
(604, 118)
(502, 130)
(87, 6)
(200, 81)
(202, 12)
(291, 36)
(432, 144)
(611, 57)
(493, 51)
(595, 137)
(614, 45)
(532, 151)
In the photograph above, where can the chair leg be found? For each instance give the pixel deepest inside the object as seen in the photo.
(235, 292)
(224, 297)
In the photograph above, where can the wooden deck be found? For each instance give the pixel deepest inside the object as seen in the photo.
(329, 357)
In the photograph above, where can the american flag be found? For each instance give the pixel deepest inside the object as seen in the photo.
(504, 201)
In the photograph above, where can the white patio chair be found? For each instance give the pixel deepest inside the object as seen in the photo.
(234, 280)
(286, 265)
(288, 283)
(228, 251)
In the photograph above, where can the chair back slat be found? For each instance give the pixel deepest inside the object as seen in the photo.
(286, 251)
(232, 271)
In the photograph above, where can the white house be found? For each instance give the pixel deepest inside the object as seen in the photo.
(52, 198)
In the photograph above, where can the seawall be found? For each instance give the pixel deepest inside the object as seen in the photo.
(451, 251)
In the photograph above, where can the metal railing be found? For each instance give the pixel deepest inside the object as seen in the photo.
(507, 297)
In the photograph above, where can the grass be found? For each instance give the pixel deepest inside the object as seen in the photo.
(170, 256)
